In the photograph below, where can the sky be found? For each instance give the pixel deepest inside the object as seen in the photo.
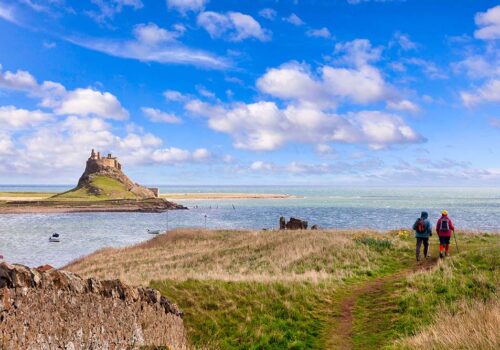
(261, 92)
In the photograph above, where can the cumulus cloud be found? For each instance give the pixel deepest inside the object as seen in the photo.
(488, 23)
(259, 165)
(184, 6)
(20, 80)
(319, 33)
(479, 66)
(172, 95)
(153, 44)
(157, 116)
(294, 19)
(403, 105)
(89, 102)
(233, 26)
(18, 118)
(268, 13)
(81, 101)
(489, 92)
(263, 126)
(429, 68)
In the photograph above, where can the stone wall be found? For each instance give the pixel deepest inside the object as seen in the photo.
(46, 308)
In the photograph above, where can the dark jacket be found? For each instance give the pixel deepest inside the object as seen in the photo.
(428, 227)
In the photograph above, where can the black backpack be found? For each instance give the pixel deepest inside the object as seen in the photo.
(420, 225)
(445, 225)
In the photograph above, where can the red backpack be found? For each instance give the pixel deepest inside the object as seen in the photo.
(420, 225)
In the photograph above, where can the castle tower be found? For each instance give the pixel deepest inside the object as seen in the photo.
(92, 154)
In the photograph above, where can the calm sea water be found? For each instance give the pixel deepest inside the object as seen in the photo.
(24, 237)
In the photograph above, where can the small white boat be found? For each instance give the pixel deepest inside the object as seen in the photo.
(154, 232)
(54, 238)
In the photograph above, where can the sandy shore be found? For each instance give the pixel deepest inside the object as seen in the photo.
(31, 196)
(223, 196)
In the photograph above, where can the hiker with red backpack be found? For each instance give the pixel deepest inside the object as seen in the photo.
(444, 228)
(423, 231)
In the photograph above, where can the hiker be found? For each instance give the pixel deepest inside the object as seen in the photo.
(444, 227)
(423, 231)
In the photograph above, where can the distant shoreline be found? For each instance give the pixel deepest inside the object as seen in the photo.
(34, 196)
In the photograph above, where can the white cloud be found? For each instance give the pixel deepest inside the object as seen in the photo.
(429, 68)
(488, 23)
(153, 44)
(268, 13)
(88, 102)
(358, 52)
(261, 166)
(234, 26)
(319, 33)
(324, 149)
(20, 80)
(172, 95)
(157, 116)
(403, 105)
(403, 41)
(151, 34)
(107, 9)
(6, 144)
(18, 118)
(489, 92)
(263, 126)
(7, 13)
(81, 101)
(479, 66)
(183, 6)
(294, 19)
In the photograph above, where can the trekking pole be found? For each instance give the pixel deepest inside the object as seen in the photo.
(455, 236)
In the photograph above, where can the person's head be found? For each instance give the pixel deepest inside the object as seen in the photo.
(444, 212)
(424, 215)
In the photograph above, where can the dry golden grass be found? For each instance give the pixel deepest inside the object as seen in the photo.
(475, 326)
(263, 256)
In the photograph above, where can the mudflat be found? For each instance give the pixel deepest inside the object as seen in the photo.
(116, 205)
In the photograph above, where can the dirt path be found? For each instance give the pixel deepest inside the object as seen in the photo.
(341, 336)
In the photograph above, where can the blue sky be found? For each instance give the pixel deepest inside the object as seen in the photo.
(341, 92)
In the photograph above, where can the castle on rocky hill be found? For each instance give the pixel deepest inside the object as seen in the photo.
(109, 161)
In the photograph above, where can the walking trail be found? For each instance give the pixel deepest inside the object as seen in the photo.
(377, 293)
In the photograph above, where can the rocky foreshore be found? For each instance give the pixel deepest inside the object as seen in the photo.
(46, 308)
(157, 205)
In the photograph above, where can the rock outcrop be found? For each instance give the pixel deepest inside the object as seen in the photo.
(292, 224)
(47, 308)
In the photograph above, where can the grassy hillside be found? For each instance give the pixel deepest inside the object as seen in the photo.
(99, 188)
(313, 290)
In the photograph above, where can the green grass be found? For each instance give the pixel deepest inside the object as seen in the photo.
(252, 315)
(404, 306)
(109, 188)
(300, 315)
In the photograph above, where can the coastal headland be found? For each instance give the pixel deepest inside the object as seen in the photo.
(103, 187)
(324, 289)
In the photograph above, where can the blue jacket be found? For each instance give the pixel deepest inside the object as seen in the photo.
(428, 227)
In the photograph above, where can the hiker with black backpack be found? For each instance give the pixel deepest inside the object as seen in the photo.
(444, 228)
(423, 231)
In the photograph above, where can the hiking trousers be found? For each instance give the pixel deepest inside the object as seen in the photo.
(425, 241)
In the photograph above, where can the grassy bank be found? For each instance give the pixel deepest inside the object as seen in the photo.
(287, 290)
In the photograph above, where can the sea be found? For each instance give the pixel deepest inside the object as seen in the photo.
(24, 237)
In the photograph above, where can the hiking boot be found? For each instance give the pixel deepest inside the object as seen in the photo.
(441, 255)
(418, 258)
(428, 256)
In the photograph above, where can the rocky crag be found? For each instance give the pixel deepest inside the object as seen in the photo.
(46, 308)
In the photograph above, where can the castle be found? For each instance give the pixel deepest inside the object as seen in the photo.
(109, 161)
